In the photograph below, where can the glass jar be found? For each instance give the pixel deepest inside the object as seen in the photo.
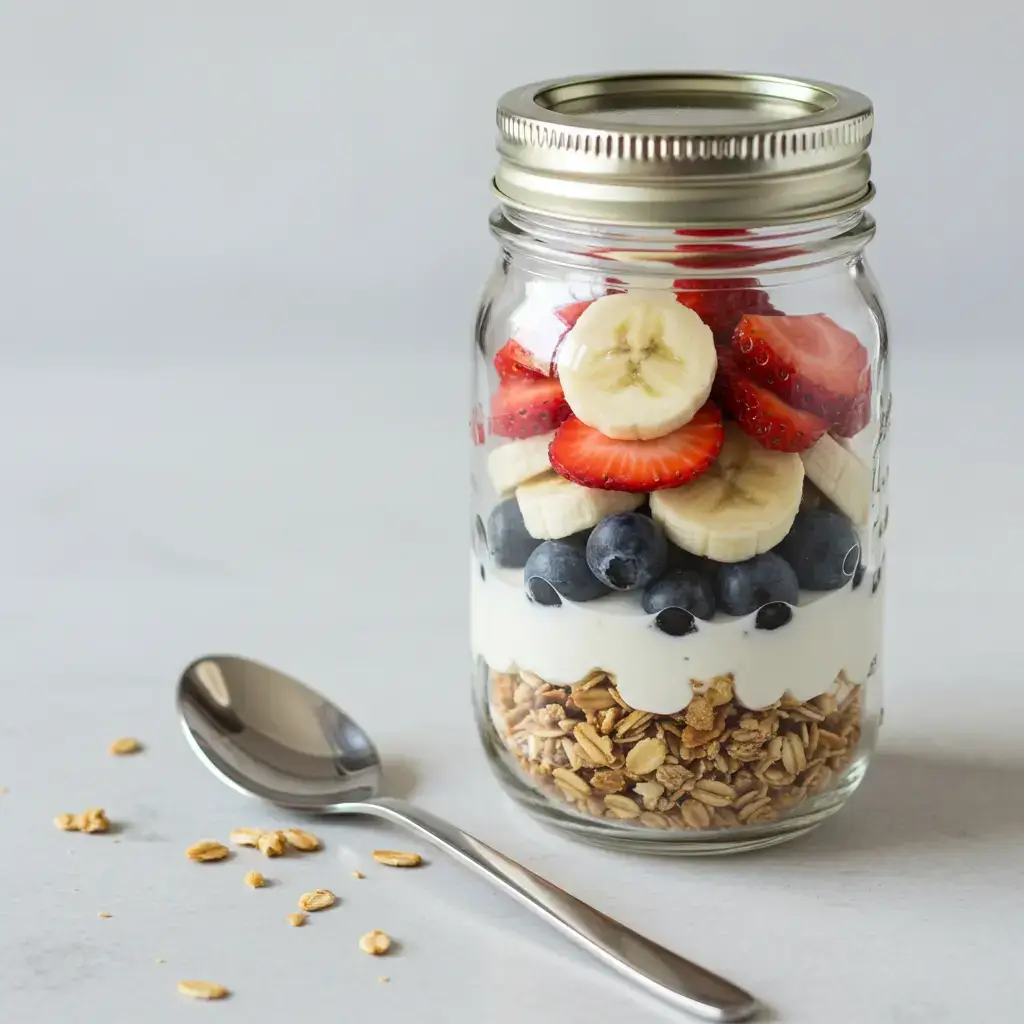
(680, 432)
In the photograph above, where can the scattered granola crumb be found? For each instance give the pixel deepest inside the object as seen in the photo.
(397, 859)
(271, 844)
(245, 836)
(202, 989)
(94, 820)
(159, 960)
(318, 899)
(376, 943)
(383, 979)
(358, 874)
(103, 913)
(208, 849)
(255, 880)
(306, 842)
(297, 920)
(125, 745)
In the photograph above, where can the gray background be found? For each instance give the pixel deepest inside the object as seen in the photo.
(241, 246)
(252, 178)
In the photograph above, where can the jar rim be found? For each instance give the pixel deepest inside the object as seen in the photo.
(684, 147)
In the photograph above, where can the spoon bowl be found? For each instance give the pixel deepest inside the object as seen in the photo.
(267, 735)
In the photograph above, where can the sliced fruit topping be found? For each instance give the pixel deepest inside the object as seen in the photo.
(744, 587)
(525, 408)
(823, 548)
(637, 366)
(542, 319)
(515, 462)
(841, 476)
(512, 360)
(476, 426)
(721, 302)
(553, 507)
(761, 413)
(571, 313)
(508, 541)
(743, 505)
(810, 362)
(627, 550)
(557, 569)
(586, 456)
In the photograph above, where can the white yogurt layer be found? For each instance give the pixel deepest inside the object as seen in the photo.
(829, 633)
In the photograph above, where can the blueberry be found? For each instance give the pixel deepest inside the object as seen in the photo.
(773, 615)
(858, 574)
(685, 589)
(509, 543)
(558, 568)
(626, 551)
(542, 593)
(823, 549)
(743, 587)
(675, 622)
(479, 537)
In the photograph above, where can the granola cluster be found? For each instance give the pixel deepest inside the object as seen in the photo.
(712, 765)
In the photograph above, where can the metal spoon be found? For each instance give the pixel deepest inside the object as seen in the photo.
(270, 736)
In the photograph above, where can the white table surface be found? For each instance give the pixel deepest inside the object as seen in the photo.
(314, 517)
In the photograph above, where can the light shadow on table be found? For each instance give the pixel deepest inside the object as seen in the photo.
(400, 778)
(918, 797)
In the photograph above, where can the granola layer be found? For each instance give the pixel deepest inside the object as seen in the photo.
(712, 765)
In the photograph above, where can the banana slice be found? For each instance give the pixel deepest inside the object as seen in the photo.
(742, 506)
(512, 464)
(637, 365)
(554, 507)
(841, 476)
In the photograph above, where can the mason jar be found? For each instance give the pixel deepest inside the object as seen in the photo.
(680, 427)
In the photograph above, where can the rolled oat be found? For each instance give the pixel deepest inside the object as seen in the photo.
(397, 858)
(714, 765)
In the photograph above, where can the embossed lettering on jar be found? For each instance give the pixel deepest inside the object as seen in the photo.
(680, 425)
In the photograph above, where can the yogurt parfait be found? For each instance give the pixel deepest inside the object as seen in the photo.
(678, 530)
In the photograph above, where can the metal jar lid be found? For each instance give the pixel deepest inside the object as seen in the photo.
(694, 148)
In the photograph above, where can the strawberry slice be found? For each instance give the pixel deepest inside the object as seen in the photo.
(523, 407)
(476, 425)
(585, 456)
(571, 313)
(512, 360)
(761, 413)
(721, 302)
(810, 362)
(568, 315)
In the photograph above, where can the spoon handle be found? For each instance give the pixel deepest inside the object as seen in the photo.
(677, 981)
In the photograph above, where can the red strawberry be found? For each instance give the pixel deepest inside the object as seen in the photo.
(585, 456)
(523, 407)
(810, 362)
(762, 414)
(571, 313)
(476, 425)
(539, 329)
(568, 315)
(512, 360)
(720, 302)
